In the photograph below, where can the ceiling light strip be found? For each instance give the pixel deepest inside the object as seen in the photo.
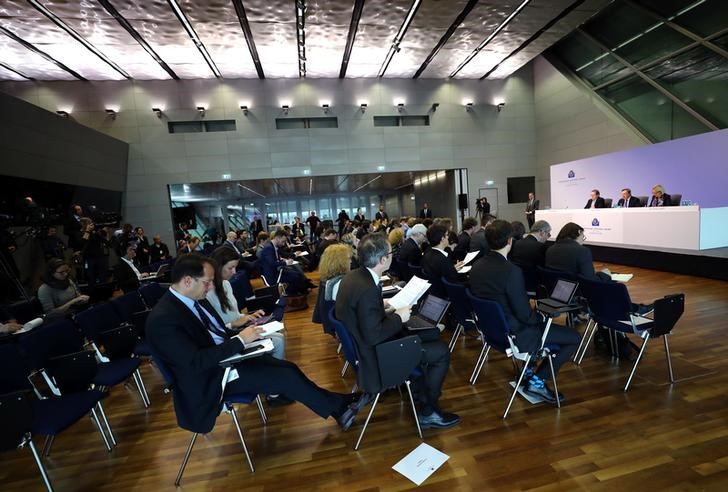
(300, 7)
(367, 183)
(45, 55)
(193, 35)
(71, 32)
(353, 28)
(536, 35)
(400, 35)
(15, 71)
(137, 37)
(245, 26)
(250, 190)
(487, 40)
(446, 37)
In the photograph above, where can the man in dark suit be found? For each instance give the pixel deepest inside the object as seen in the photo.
(627, 200)
(158, 251)
(569, 254)
(188, 335)
(477, 240)
(342, 219)
(436, 262)
(272, 265)
(494, 277)
(230, 240)
(531, 250)
(126, 272)
(411, 250)
(359, 306)
(531, 207)
(425, 211)
(470, 226)
(595, 201)
(381, 214)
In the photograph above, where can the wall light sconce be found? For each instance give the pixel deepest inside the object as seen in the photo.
(363, 107)
(469, 106)
(500, 106)
(285, 108)
(435, 106)
(326, 108)
(158, 112)
(201, 110)
(63, 114)
(110, 113)
(245, 110)
(400, 107)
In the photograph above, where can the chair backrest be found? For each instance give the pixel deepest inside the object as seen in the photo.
(530, 276)
(162, 366)
(460, 303)
(347, 341)
(608, 202)
(668, 311)
(404, 271)
(548, 277)
(415, 270)
(643, 201)
(16, 414)
(14, 370)
(128, 304)
(97, 319)
(25, 311)
(53, 340)
(491, 322)
(240, 282)
(151, 293)
(675, 199)
(397, 359)
(609, 302)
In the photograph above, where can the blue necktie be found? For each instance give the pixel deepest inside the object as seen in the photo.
(209, 325)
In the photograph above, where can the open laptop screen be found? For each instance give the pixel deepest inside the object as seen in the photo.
(564, 291)
(433, 308)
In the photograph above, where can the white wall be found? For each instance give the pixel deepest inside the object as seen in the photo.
(570, 126)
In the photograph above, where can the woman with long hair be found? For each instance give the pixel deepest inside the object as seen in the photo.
(58, 294)
(334, 264)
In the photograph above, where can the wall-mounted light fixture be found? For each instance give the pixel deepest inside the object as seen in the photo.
(500, 106)
(325, 107)
(469, 106)
(363, 106)
(201, 110)
(245, 109)
(110, 113)
(62, 114)
(400, 107)
(158, 112)
(435, 106)
(285, 108)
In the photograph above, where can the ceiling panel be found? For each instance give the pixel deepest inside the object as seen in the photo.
(273, 23)
(9, 74)
(31, 64)
(327, 28)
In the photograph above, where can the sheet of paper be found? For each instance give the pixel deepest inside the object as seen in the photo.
(264, 345)
(465, 269)
(410, 294)
(389, 288)
(422, 462)
(271, 327)
(470, 257)
(302, 253)
(622, 277)
(638, 320)
(384, 278)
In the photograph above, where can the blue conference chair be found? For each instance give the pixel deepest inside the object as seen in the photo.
(151, 293)
(351, 359)
(497, 334)
(228, 402)
(404, 270)
(100, 319)
(461, 308)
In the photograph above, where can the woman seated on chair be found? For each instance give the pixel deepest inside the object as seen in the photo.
(58, 294)
(334, 264)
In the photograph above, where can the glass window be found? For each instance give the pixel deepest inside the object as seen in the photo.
(290, 123)
(416, 120)
(220, 126)
(184, 126)
(324, 208)
(698, 77)
(651, 111)
(386, 121)
(323, 122)
(619, 23)
(577, 50)
(704, 18)
(722, 41)
(667, 8)
(651, 45)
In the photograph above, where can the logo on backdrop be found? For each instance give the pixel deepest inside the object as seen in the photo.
(595, 222)
(572, 174)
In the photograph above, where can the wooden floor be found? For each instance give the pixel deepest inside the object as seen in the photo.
(655, 437)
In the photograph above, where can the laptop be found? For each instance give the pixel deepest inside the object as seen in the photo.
(429, 313)
(562, 295)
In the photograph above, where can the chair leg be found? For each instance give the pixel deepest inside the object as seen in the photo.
(185, 460)
(553, 378)
(136, 376)
(518, 384)
(414, 409)
(338, 349)
(595, 327)
(583, 339)
(46, 451)
(41, 468)
(234, 415)
(101, 429)
(343, 369)
(144, 388)
(669, 357)
(106, 423)
(261, 410)
(363, 430)
(639, 357)
(612, 341)
(455, 335)
(479, 363)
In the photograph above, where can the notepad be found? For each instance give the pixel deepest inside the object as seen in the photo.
(470, 257)
(638, 320)
(622, 277)
(422, 462)
(271, 327)
(253, 349)
(465, 269)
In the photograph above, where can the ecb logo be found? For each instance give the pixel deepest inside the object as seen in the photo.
(595, 222)
(572, 174)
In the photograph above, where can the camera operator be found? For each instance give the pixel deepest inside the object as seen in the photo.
(95, 251)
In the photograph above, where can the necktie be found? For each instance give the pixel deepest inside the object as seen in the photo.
(209, 325)
(626, 203)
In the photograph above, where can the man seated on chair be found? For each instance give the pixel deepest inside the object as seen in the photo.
(276, 269)
(494, 277)
(531, 250)
(186, 332)
(359, 306)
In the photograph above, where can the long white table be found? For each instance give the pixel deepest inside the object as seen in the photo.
(658, 227)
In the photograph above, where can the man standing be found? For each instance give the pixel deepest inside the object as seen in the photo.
(595, 201)
(425, 212)
(342, 219)
(187, 334)
(381, 215)
(627, 200)
(494, 277)
(313, 223)
(359, 306)
(531, 207)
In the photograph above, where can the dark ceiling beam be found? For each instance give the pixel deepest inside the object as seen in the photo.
(137, 37)
(11, 69)
(446, 37)
(300, 7)
(353, 28)
(536, 35)
(42, 53)
(245, 26)
(190, 30)
(394, 48)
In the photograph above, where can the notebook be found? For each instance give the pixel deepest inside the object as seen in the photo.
(429, 313)
(562, 295)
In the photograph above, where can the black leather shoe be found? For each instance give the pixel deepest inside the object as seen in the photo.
(542, 392)
(438, 420)
(346, 419)
(279, 401)
(360, 400)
